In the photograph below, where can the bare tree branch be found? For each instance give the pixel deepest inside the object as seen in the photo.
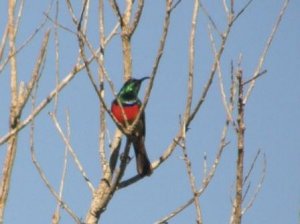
(56, 40)
(57, 196)
(24, 96)
(137, 16)
(14, 112)
(72, 152)
(258, 187)
(106, 189)
(49, 186)
(266, 49)
(27, 41)
(212, 73)
(3, 42)
(236, 216)
(101, 75)
(205, 181)
(76, 69)
(242, 10)
(116, 10)
(56, 215)
(188, 109)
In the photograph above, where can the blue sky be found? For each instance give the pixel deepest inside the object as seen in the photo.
(272, 117)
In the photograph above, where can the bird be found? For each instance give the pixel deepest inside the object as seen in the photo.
(127, 98)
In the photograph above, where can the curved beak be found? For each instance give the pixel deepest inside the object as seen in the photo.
(144, 78)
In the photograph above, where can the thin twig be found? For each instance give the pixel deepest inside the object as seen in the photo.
(76, 69)
(19, 16)
(102, 152)
(255, 77)
(252, 166)
(24, 96)
(137, 16)
(191, 178)
(175, 4)
(116, 10)
(56, 40)
(242, 10)
(212, 73)
(51, 189)
(266, 49)
(56, 215)
(56, 195)
(3, 43)
(72, 152)
(28, 40)
(259, 186)
(191, 61)
(205, 181)
(211, 20)
(71, 11)
(188, 109)
(220, 76)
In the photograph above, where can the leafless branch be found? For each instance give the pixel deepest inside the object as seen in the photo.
(72, 152)
(242, 10)
(24, 95)
(191, 61)
(172, 146)
(82, 24)
(27, 41)
(63, 27)
(71, 11)
(51, 189)
(247, 176)
(208, 177)
(188, 109)
(255, 77)
(63, 83)
(116, 10)
(56, 195)
(19, 16)
(106, 189)
(56, 40)
(102, 152)
(220, 76)
(14, 111)
(137, 16)
(259, 186)
(237, 203)
(56, 215)
(3, 43)
(191, 179)
(157, 60)
(175, 4)
(266, 49)
(212, 73)
(205, 181)
(211, 20)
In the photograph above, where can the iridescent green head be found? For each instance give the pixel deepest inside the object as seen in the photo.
(130, 90)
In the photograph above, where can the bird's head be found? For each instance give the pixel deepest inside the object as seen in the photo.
(129, 91)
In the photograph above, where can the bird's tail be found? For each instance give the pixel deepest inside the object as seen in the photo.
(143, 164)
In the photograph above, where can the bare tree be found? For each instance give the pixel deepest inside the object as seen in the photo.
(128, 17)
